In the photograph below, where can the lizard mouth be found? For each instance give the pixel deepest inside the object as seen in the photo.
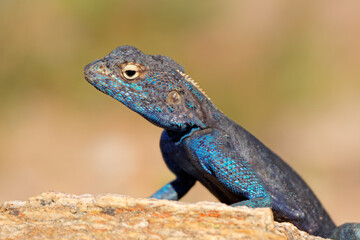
(89, 72)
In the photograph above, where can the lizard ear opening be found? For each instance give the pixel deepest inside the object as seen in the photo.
(173, 98)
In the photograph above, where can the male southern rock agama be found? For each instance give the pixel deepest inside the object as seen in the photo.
(200, 143)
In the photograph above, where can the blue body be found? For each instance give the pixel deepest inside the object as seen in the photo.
(200, 143)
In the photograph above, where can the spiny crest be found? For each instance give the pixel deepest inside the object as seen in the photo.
(189, 79)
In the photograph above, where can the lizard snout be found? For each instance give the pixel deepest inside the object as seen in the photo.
(95, 69)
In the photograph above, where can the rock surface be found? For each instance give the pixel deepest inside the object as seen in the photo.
(54, 215)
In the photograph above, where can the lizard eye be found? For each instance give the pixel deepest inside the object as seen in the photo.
(130, 72)
(173, 97)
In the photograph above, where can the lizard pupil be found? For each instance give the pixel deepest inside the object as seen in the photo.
(130, 73)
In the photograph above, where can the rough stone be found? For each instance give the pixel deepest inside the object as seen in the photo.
(54, 215)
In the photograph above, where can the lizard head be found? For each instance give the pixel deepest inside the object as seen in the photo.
(154, 86)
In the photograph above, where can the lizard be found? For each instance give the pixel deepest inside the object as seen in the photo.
(200, 143)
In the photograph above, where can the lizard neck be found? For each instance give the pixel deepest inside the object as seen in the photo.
(212, 118)
(212, 115)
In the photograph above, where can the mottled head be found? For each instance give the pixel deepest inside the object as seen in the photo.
(154, 86)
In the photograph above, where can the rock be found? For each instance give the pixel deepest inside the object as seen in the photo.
(66, 216)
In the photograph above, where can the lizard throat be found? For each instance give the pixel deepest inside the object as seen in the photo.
(189, 79)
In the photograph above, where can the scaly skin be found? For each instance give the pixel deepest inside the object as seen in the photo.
(200, 143)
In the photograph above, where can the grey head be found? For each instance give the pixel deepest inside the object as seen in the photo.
(154, 86)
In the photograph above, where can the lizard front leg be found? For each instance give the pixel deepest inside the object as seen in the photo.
(177, 188)
(213, 149)
(174, 190)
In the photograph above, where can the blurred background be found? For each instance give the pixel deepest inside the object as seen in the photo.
(289, 72)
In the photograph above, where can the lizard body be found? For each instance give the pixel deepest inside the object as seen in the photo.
(200, 143)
